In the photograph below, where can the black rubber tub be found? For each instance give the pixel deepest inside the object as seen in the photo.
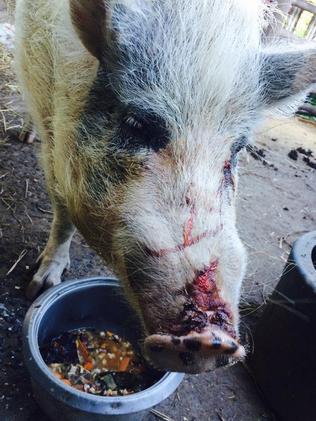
(94, 303)
(284, 359)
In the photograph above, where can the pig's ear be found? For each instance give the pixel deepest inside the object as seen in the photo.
(89, 18)
(287, 74)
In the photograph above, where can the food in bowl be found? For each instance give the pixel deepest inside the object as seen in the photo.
(97, 362)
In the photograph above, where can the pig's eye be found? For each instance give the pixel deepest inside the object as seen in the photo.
(142, 130)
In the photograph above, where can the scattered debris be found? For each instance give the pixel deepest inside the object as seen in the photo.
(44, 210)
(309, 162)
(293, 154)
(256, 153)
(307, 152)
(4, 311)
(27, 181)
(260, 155)
(22, 254)
(219, 416)
(160, 415)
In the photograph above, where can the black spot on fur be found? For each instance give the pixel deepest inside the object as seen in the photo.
(98, 136)
(105, 117)
(187, 358)
(101, 108)
(192, 344)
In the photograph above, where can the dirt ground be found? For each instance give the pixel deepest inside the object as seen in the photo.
(276, 205)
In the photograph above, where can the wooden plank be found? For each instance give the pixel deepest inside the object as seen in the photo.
(311, 30)
(305, 6)
(294, 17)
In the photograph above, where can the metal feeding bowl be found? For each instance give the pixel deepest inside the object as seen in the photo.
(88, 303)
(284, 359)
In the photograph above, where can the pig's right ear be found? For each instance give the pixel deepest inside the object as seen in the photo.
(89, 18)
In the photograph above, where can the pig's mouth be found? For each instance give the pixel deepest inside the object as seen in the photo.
(203, 337)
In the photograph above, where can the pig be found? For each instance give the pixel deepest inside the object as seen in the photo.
(142, 107)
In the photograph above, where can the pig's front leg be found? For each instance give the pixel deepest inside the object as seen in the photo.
(54, 260)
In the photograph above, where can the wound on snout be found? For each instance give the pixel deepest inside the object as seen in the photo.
(190, 319)
(228, 176)
(187, 235)
(204, 307)
(206, 297)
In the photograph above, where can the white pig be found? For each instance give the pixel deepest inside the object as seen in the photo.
(142, 107)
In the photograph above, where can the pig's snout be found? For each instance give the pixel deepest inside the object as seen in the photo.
(203, 337)
(195, 352)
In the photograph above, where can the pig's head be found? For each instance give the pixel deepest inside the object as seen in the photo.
(179, 86)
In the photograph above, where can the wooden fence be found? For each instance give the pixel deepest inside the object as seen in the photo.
(301, 19)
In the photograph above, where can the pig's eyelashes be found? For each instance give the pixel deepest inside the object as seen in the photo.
(133, 122)
(144, 131)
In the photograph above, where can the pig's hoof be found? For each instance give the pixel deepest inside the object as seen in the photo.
(27, 136)
(193, 353)
(48, 274)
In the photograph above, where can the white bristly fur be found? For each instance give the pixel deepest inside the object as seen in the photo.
(207, 53)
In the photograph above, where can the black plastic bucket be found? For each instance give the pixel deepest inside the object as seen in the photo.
(284, 359)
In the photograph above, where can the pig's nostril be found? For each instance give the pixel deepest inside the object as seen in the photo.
(232, 348)
(192, 344)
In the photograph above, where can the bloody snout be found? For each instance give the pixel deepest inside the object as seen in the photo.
(204, 335)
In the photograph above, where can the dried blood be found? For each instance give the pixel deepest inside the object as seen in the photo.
(228, 177)
(206, 298)
(187, 236)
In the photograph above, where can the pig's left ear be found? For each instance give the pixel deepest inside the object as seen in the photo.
(287, 74)
(89, 18)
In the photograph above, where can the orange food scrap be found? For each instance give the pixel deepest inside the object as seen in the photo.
(58, 375)
(88, 365)
(83, 350)
(124, 364)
